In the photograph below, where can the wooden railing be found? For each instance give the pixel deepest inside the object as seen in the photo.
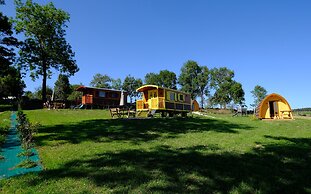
(139, 104)
(155, 103)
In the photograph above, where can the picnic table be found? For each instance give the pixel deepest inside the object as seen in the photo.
(122, 112)
(286, 114)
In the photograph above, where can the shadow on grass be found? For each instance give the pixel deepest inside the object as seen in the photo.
(132, 130)
(273, 169)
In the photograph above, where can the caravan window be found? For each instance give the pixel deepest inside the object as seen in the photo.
(114, 95)
(181, 97)
(172, 96)
(102, 94)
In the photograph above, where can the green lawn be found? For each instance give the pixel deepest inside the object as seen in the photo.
(4, 125)
(84, 151)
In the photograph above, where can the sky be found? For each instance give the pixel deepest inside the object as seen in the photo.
(266, 43)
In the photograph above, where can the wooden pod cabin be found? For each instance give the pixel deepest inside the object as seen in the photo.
(101, 97)
(163, 100)
(274, 106)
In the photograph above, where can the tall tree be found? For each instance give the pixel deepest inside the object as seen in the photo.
(11, 83)
(259, 93)
(116, 84)
(152, 79)
(45, 47)
(101, 81)
(237, 93)
(188, 78)
(167, 79)
(37, 94)
(203, 81)
(221, 82)
(62, 88)
(130, 85)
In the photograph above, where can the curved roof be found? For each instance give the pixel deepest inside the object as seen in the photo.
(149, 87)
(269, 96)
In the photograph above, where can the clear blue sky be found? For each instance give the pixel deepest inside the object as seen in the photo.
(265, 42)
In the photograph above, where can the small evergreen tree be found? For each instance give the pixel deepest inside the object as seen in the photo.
(62, 88)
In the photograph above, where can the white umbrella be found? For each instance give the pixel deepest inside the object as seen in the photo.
(122, 99)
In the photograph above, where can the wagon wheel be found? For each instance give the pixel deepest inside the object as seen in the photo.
(164, 114)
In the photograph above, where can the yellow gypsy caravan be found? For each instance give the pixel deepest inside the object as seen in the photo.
(162, 100)
(274, 106)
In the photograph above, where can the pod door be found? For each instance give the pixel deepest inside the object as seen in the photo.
(274, 109)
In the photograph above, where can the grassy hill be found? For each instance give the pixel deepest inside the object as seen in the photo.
(84, 151)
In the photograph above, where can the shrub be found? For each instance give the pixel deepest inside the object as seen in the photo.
(26, 133)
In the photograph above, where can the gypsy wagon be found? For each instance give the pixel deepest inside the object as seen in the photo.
(157, 99)
(102, 97)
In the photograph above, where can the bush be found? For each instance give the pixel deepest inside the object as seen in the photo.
(26, 133)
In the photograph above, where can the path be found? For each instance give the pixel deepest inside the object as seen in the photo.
(10, 149)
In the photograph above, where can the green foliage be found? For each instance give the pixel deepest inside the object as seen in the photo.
(152, 79)
(116, 84)
(45, 47)
(101, 81)
(74, 95)
(37, 94)
(26, 131)
(237, 93)
(168, 79)
(29, 94)
(188, 78)
(226, 89)
(130, 84)
(203, 82)
(11, 83)
(165, 79)
(259, 93)
(62, 88)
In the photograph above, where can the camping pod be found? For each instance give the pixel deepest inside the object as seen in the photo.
(157, 99)
(195, 105)
(274, 106)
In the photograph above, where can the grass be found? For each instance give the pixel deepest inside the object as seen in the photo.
(4, 125)
(303, 113)
(84, 151)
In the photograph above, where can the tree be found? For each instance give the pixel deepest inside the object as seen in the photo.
(74, 95)
(237, 93)
(259, 93)
(37, 94)
(167, 79)
(221, 82)
(11, 83)
(152, 79)
(203, 81)
(188, 78)
(29, 94)
(45, 47)
(101, 81)
(116, 84)
(130, 85)
(62, 88)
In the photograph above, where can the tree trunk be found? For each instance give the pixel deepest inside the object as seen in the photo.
(202, 100)
(44, 82)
